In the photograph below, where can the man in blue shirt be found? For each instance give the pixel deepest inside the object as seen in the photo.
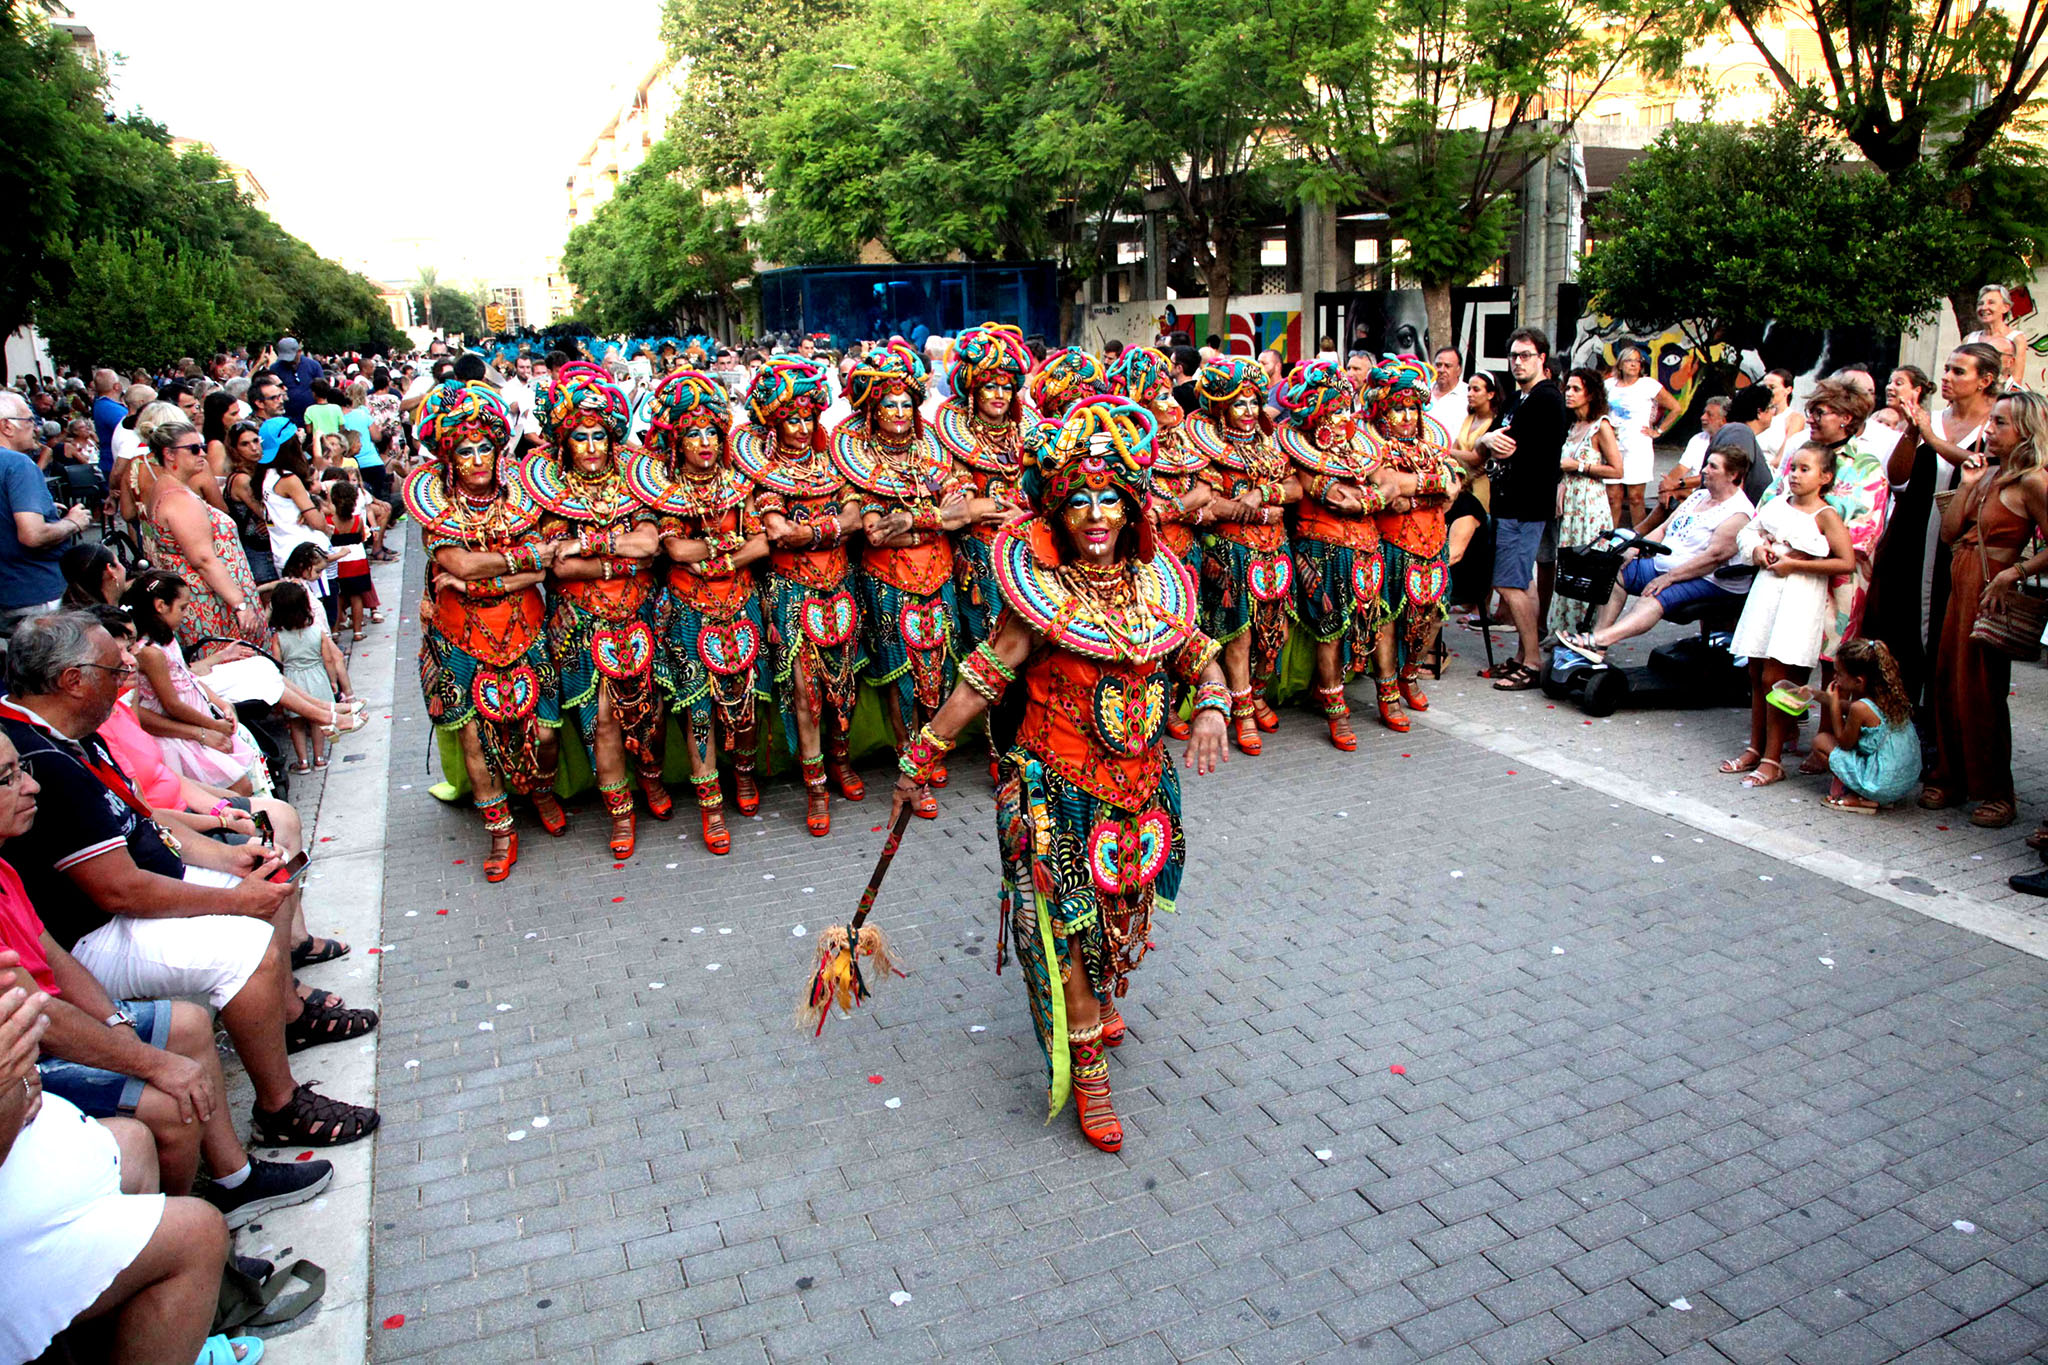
(32, 535)
(108, 412)
(296, 371)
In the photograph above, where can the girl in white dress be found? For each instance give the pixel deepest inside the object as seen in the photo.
(1797, 543)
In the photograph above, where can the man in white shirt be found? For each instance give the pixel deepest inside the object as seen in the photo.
(1447, 396)
(517, 393)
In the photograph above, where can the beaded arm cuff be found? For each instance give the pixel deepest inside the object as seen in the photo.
(986, 673)
(1194, 656)
(922, 754)
(1213, 696)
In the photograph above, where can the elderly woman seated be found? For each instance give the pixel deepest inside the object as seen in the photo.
(1701, 534)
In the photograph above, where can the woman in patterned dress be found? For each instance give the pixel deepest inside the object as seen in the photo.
(810, 514)
(485, 670)
(601, 614)
(1098, 620)
(911, 498)
(709, 618)
(198, 542)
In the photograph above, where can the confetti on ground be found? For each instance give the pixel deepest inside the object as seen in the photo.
(796, 931)
(440, 912)
(533, 935)
(487, 1027)
(696, 928)
(1513, 773)
(874, 1080)
(412, 1064)
(394, 1322)
(713, 966)
(977, 1028)
(1682, 1305)
(1765, 877)
(618, 900)
(411, 913)
(376, 950)
(810, 890)
(899, 1298)
(671, 867)
(656, 985)
(1828, 962)
(876, 830)
(303, 1156)
(725, 931)
(460, 861)
(516, 1135)
(893, 1102)
(1963, 1225)
(617, 866)
(540, 1120)
(1398, 1069)
(1556, 951)
(502, 1008)
(1457, 874)
(1322, 1154)
(767, 876)
(1656, 858)
(1343, 815)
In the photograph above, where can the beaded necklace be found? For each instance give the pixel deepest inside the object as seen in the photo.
(1109, 598)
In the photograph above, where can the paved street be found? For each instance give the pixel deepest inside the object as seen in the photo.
(1443, 1059)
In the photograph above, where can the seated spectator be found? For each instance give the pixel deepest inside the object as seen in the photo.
(1866, 734)
(207, 742)
(149, 920)
(1682, 479)
(93, 577)
(83, 1232)
(1701, 533)
(150, 1060)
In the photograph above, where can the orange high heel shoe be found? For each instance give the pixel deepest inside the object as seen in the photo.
(746, 792)
(1244, 722)
(1391, 714)
(498, 821)
(840, 769)
(618, 803)
(1099, 1123)
(1264, 715)
(1112, 1026)
(817, 802)
(711, 814)
(1335, 710)
(1411, 689)
(660, 804)
(553, 818)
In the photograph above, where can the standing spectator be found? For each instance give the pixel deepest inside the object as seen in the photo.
(322, 417)
(1447, 397)
(1638, 402)
(128, 441)
(1187, 363)
(1530, 449)
(1591, 455)
(32, 534)
(108, 412)
(1988, 525)
(296, 371)
(1994, 311)
(266, 398)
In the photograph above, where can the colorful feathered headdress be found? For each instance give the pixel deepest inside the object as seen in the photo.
(885, 370)
(1142, 375)
(1064, 379)
(981, 352)
(580, 392)
(679, 401)
(1316, 392)
(455, 412)
(1398, 381)
(1220, 382)
(783, 382)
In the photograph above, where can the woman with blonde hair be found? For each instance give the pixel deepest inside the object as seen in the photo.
(1987, 526)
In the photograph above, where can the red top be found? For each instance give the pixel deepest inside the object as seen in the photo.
(22, 929)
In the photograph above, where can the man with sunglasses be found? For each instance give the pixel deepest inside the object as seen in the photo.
(32, 534)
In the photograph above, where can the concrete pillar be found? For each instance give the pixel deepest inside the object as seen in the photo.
(1155, 261)
(1319, 265)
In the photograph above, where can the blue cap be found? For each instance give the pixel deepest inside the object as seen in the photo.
(275, 432)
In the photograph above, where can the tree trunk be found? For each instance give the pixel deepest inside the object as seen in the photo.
(1436, 300)
(1222, 266)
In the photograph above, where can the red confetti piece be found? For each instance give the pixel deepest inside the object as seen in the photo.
(440, 912)
(1550, 708)
(1407, 755)
(1585, 722)
(617, 866)
(1511, 772)
(1398, 1069)
(460, 861)
(1941, 827)
(303, 1156)
(327, 838)
(394, 1322)
(376, 950)
(618, 900)
(874, 1080)
(876, 830)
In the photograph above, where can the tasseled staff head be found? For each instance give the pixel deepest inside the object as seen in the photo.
(840, 979)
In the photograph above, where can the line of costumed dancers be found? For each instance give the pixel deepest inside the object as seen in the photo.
(1089, 570)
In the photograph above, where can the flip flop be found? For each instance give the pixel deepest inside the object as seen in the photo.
(1850, 805)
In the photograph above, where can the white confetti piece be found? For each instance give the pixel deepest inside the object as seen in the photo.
(672, 866)
(977, 1028)
(656, 985)
(1656, 858)
(487, 1027)
(412, 1064)
(502, 1008)
(1343, 815)
(1556, 951)
(533, 935)
(796, 931)
(713, 966)
(893, 1102)
(540, 1120)
(810, 890)
(412, 914)
(725, 931)
(1682, 1305)
(1963, 1225)
(767, 876)
(1457, 874)
(696, 928)
(1765, 877)
(1322, 1154)
(516, 1135)
(1828, 962)
(388, 947)
(405, 787)
(899, 1298)
(1699, 838)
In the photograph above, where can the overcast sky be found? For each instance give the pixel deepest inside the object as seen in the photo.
(391, 135)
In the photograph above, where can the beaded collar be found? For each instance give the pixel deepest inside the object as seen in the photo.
(682, 494)
(1253, 454)
(460, 517)
(1146, 616)
(601, 500)
(1173, 453)
(1328, 453)
(753, 451)
(869, 469)
(990, 447)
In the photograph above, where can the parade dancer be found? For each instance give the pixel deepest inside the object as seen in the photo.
(1179, 493)
(810, 514)
(1247, 574)
(1420, 478)
(485, 670)
(709, 618)
(910, 500)
(600, 625)
(1338, 572)
(1098, 619)
(1064, 379)
(981, 427)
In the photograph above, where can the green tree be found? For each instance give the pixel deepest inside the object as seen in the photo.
(423, 290)
(134, 301)
(1928, 89)
(1390, 121)
(455, 312)
(48, 100)
(662, 254)
(731, 54)
(1718, 229)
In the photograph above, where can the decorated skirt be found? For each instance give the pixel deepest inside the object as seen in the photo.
(1081, 878)
(626, 661)
(1338, 596)
(1415, 597)
(977, 594)
(714, 657)
(813, 633)
(509, 705)
(910, 644)
(1248, 589)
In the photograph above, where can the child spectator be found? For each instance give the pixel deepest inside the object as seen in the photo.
(353, 590)
(196, 730)
(1798, 542)
(307, 565)
(1866, 731)
(312, 663)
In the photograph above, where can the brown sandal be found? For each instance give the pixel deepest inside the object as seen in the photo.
(324, 1019)
(1995, 814)
(313, 1120)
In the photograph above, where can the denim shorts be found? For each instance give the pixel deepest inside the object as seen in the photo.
(1515, 544)
(109, 1094)
(1637, 573)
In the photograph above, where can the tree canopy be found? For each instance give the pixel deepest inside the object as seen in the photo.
(93, 200)
(662, 254)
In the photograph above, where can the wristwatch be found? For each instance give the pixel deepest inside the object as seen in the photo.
(120, 1018)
